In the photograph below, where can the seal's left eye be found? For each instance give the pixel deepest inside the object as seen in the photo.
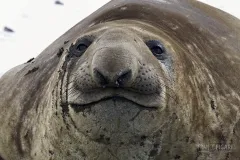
(157, 49)
(80, 46)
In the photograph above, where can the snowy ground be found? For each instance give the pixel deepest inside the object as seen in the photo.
(38, 23)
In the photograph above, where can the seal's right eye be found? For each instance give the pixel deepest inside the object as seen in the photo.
(80, 46)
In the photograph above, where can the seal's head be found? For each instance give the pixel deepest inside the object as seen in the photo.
(117, 80)
(118, 62)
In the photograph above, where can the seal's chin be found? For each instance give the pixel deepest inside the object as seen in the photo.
(116, 123)
(78, 107)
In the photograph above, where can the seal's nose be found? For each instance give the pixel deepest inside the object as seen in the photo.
(113, 67)
(119, 79)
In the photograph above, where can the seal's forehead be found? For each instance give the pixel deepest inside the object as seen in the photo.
(129, 27)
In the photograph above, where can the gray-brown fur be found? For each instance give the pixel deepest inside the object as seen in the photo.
(172, 109)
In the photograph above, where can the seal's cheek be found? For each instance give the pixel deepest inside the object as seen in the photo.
(117, 121)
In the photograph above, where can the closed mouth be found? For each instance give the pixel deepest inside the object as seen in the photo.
(82, 99)
(80, 107)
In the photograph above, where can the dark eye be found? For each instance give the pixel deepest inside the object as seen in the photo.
(80, 46)
(157, 49)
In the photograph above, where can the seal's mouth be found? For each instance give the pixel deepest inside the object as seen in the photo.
(85, 99)
(113, 98)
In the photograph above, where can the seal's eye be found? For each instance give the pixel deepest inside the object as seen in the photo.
(157, 49)
(80, 46)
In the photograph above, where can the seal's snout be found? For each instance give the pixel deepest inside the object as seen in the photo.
(114, 67)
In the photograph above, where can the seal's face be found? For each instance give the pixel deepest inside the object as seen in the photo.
(116, 86)
(117, 63)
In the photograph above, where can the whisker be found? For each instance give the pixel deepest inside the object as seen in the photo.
(69, 89)
(164, 85)
(175, 99)
(76, 98)
(164, 77)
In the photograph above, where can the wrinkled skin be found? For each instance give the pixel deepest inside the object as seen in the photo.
(100, 92)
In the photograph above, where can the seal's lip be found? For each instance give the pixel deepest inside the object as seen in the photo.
(114, 97)
(78, 98)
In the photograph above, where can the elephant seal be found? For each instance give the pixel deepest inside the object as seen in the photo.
(136, 79)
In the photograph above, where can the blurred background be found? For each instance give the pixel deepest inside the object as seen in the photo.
(27, 27)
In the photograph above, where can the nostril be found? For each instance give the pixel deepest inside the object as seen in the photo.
(123, 78)
(101, 79)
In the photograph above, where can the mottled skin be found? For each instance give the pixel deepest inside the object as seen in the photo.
(119, 101)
